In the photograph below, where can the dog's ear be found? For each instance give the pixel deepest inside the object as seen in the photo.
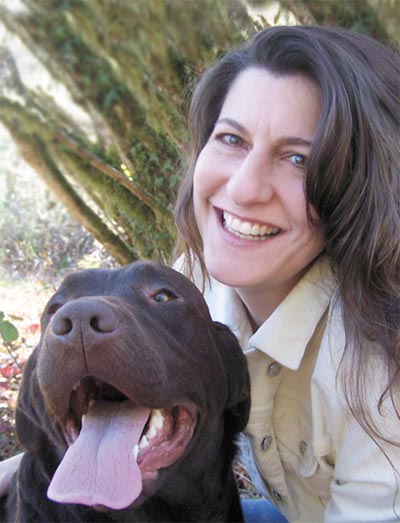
(29, 434)
(238, 380)
(30, 409)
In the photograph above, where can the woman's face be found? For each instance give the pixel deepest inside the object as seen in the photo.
(249, 199)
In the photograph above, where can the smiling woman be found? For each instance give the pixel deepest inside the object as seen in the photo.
(248, 185)
(290, 218)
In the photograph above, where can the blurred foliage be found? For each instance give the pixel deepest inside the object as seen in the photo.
(38, 237)
(8, 330)
(106, 132)
(377, 18)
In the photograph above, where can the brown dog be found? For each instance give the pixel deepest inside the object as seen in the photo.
(130, 404)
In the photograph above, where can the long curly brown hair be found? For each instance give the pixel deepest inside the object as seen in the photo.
(352, 181)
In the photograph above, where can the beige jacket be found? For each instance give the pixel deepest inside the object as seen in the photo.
(310, 456)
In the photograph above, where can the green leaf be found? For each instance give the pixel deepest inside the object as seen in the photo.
(8, 332)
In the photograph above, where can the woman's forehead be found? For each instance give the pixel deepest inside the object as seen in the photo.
(290, 103)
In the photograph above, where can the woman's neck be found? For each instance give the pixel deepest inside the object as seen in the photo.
(261, 301)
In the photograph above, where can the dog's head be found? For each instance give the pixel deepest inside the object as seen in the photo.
(130, 375)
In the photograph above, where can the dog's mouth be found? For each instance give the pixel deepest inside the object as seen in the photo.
(115, 445)
(169, 428)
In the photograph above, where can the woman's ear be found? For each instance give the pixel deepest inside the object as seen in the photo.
(237, 377)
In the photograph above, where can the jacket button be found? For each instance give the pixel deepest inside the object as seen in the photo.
(302, 447)
(340, 482)
(276, 495)
(266, 442)
(274, 369)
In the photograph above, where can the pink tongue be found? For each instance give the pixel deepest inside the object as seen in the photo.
(99, 468)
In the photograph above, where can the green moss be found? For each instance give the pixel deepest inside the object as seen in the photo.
(130, 63)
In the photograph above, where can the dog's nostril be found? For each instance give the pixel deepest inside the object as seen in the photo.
(102, 323)
(94, 323)
(62, 325)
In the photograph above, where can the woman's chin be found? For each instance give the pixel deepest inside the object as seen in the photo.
(230, 272)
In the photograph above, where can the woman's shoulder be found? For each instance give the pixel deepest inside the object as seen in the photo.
(334, 348)
(335, 369)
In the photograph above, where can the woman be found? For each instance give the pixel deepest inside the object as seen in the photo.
(289, 215)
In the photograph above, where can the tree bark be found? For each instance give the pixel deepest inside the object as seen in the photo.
(112, 153)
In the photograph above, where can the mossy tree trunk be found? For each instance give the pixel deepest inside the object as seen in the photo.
(112, 153)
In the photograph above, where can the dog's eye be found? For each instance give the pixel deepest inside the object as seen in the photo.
(163, 295)
(53, 308)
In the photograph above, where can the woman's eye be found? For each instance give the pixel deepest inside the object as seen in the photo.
(298, 160)
(163, 295)
(230, 139)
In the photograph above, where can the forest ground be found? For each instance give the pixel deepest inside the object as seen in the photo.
(22, 301)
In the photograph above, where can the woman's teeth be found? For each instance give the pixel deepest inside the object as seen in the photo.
(247, 230)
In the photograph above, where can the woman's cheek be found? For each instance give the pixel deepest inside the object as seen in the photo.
(205, 180)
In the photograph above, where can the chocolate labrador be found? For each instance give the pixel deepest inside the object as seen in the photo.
(130, 405)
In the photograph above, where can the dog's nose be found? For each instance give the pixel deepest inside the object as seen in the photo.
(85, 315)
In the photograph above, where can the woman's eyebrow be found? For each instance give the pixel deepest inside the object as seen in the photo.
(293, 140)
(280, 142)
(232, 123)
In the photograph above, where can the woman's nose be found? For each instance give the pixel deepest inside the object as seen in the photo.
(251, 181)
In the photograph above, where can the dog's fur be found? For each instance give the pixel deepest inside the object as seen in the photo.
(142, 333)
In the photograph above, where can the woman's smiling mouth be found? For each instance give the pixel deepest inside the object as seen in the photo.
(247, 230)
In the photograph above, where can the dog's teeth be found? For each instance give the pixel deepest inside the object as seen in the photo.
(157, 419)
(156, 422)
(151, 432)
(143, 442)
